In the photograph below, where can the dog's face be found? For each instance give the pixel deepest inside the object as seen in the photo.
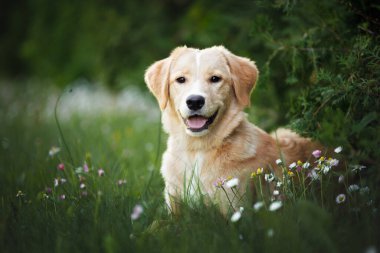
(200, 85)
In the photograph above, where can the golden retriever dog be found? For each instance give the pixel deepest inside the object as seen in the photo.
(202, 95)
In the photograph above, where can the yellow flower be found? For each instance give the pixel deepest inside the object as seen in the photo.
(229, 178)
(253, 174)
(299, 163)
(322, 158)
(259, 171)
(290, 173)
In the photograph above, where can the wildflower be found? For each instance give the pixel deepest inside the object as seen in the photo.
(279, 184)
(325, 169)
(258, 205)
(306, 165)
(353, 188)
(53, 151)
(299, 163)
(100, 172)
(58, 181)
(317, 153)
(275, 205)
(278, 161)
(253, 174)
(292, 165)
(333, 162)
(276, 193)
(290, 173)
(269, 177)
(85, 168)
(137, 211)
(121, 182)
(358, 168)
(321, 159)
(61, 167)
(48, 190)
(237, 215)
(232, 182)
(20, 194)
(62, 197)
(338, 149)
(82, 186)
(341, 179)
(340, 198)
(313, 175)
(259, 171)
(219, 182)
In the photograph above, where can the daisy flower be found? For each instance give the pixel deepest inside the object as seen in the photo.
(353, 188)
(232, 182)
(258, 205)
(340, 198)
(338, 149)
(137, 211)
(275, 206)
(100, 172)
(53, 151)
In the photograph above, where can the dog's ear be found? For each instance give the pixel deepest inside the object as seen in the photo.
(157, 80)
(244, 76)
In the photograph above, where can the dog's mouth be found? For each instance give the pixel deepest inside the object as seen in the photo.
(198, 123)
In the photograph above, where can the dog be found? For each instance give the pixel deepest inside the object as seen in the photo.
(202, 95)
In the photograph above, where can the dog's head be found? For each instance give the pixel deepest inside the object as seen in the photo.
(201, 85)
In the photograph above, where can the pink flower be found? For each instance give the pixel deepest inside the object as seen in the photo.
(137, 211)
(317, 153)
(48, 190)
(61, 167)
(100, 172)
(85, 168)
(219, 182)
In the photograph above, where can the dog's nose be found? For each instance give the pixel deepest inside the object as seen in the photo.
(195, 102)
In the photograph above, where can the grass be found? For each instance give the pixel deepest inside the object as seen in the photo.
(97, 218)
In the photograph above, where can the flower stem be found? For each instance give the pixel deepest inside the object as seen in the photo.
(228, 198)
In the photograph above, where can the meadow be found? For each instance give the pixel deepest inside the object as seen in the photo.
(91, 183)
(81, 138)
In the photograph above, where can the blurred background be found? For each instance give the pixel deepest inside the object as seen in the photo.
(71, 81)
(318, 60)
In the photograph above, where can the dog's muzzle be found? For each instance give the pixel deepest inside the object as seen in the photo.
(198, 123)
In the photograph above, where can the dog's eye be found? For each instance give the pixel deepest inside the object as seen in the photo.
(181, 79)
(215, 79)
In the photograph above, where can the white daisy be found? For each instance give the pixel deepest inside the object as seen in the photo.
(340, 198)
(232, 182)
(275, 205)
(258, 205)
(338, 149)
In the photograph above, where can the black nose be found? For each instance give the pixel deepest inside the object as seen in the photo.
(195, 102)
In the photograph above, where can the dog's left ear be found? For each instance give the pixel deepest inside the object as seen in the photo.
(244, 76)
(157, 80)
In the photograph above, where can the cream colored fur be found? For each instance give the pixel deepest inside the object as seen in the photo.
(231, 146)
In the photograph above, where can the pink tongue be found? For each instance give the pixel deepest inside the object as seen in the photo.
(196, 122)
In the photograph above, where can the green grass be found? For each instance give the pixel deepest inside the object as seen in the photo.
(125, 146)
